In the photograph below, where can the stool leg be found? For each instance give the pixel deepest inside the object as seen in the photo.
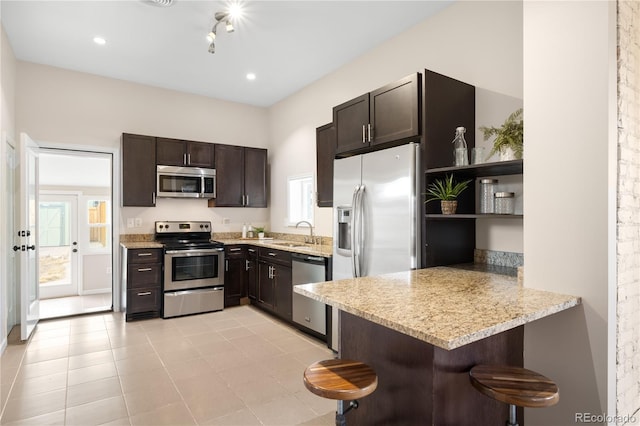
(340, 419)
(512, 416)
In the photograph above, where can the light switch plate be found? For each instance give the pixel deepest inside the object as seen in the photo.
(138, 222)
(130, 222)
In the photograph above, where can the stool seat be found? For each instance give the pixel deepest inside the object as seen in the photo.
(341, 379)
(515, 385)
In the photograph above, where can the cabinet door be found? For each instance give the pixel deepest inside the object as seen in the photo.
(266, 294)
(234, 275)
(252, 273)
(229, 176)
(350, 120)
(171, 152)
(283, 291)
(325, 153)
(138, 170)
(200, 154)
(255, 177)
(394, 111)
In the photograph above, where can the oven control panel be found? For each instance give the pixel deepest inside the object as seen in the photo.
(177, 227)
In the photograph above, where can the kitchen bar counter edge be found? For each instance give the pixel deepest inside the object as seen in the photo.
(442, 306)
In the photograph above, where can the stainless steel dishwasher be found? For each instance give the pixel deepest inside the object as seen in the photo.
(309, 313)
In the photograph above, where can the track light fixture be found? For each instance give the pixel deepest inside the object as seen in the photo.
(219, 17)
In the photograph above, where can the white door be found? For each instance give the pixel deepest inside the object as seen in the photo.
(29, 289)
(58, 245)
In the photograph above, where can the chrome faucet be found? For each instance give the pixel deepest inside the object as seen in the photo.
(311, 239)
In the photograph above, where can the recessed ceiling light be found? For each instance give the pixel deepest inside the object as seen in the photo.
(251, 76)
(99, 40)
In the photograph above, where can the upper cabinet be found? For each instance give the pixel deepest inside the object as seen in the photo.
(325, 152)
(138, 170)
(384, 116)
(175, 152)
(241, 175)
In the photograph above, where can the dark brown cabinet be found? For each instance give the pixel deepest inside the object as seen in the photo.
(138, 170)
(325, 153)
(235, 274)
(175, 152)
(241, 175)
(275, 282)
(382, 117)
(252, 273)
(143, 283)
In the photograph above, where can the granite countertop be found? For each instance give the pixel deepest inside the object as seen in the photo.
(311, 249)
(446, 307)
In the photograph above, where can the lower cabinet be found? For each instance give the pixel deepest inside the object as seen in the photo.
(142, 283)
(235, 274)
(252, 273)
(274, 284)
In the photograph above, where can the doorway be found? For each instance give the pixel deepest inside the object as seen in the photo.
(75, 247)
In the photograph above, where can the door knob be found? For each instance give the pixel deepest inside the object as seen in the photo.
(31, 247)
(75, 250)
(16, 248)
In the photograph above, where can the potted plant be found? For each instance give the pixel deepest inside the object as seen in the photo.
(260, 231)
(447, 191)
(509, 137)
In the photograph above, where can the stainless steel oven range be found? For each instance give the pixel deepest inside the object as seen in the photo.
(193, 268)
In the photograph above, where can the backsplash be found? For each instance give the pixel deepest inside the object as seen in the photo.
(500, 258)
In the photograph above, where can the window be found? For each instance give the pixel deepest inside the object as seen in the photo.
(300, 198)
(99, 224)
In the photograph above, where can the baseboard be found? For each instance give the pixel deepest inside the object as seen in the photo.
(95, 291)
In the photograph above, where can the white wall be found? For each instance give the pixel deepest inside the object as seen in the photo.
(569, 232)
(67, 107)
(7, 130)
(456, 42)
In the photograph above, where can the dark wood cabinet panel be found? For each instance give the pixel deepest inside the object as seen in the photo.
(241, 177)
(283, 291)
(229, 176)
(252, 273)
(394, 111)
(175, 152)
(325, 153)
(255, 177)
(385, 116)
(138, 170)
(235, 275)
(351, 119)
(275, 282)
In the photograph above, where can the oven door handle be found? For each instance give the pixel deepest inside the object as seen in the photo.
(194, 252)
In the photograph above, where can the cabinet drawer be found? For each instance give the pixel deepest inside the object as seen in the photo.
(144, 275)
(143, 300)
(234, 251)
(144, 256)
(275, 256)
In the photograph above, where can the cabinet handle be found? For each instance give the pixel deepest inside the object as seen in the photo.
(145, 293)
(252, 251)
(235, 249)
(189, 159)
(144, 254)
(369, 132)
(242, 202)
(247, 199)
(153, 198)
(184, 159)
(246, 265)
(144, 269)
(363, 134)
(226, 265)
(271, 272)
(272, 254)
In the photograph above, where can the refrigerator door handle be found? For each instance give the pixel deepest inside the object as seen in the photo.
(352, 231)
(361, 234)
(357, 231)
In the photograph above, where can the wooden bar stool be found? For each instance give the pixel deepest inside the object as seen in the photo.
(516, 386)
(342, 380)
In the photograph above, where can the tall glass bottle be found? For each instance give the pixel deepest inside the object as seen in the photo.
(460, 152)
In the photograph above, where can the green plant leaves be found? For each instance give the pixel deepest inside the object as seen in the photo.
(447, 189)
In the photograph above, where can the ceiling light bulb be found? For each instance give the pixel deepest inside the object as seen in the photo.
(211, 36)
(251, 76)
(230, 28)
(212, 47)
(235, 10)
(99, 40)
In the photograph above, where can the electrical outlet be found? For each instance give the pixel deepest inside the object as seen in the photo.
(226, 221)
(130, 223)
(138, 222)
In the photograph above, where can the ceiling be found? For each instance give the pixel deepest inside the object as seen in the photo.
(287, 44)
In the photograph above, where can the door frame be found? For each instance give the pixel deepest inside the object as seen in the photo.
(8, 259)
(115, 207)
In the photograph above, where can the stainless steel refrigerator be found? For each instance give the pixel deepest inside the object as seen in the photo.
(376, 226)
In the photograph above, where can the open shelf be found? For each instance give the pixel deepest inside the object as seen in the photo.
(473, 216)
(499, 168)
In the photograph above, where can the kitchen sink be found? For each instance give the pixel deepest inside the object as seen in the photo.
(291, 245)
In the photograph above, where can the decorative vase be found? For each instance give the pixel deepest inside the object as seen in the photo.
(261, 235)
(507, 154)
(448, 207)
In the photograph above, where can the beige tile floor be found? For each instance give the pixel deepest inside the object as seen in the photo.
(235, 367)
(74, 305)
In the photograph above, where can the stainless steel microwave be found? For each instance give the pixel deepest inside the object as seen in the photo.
(186, 182)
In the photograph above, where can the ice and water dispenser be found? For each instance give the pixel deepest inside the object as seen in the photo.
(344, 227)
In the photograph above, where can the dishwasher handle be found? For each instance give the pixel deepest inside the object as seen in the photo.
(306, 258)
